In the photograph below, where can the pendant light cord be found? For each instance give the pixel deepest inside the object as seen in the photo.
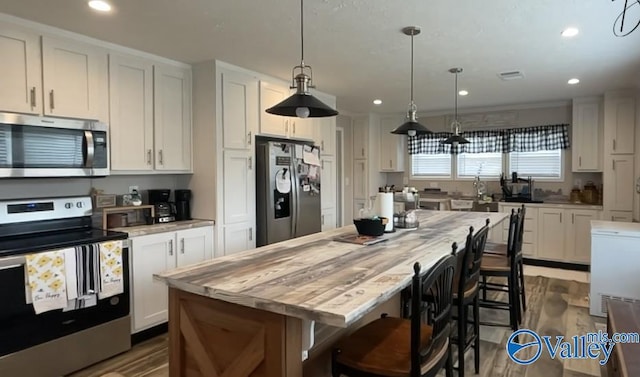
(412, 67)
(455, 93)
(302, 33)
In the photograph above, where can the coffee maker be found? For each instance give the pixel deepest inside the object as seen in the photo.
(163, 208)
(183, 204)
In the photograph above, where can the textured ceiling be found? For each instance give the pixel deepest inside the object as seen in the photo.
(358, 52)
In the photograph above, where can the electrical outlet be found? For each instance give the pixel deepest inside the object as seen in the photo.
(132, 188)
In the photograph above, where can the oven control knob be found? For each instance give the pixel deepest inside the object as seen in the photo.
(79, 204)
(68, 205)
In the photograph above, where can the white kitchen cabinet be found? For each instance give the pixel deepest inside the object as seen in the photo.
(20, 71)
(239, 109)
(75, 83)
(360, 179)
(551, 234)
(150, 254)
(619, 120)
(328, 219)
(302, 128)
(621, 216)
(239, 237)
(587, 129)
(619, 183)
(326, 135)
(172, 116)
(194, 245)
(578, 241)
(328, 181)
(239, 187)
(156, 253)
(131, 113)
(270, 95)
(391, 150)
(360, 138)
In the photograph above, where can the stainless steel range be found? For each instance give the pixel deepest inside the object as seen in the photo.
(55, 342)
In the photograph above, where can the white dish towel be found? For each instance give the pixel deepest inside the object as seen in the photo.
(47, 281)
(111, 270)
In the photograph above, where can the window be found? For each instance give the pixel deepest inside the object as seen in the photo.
(431, 165)
(485, 165)
(539, 164)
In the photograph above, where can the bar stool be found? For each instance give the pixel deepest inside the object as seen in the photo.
(465, 294)
(501, 248)
(504, 266)
(393, 347)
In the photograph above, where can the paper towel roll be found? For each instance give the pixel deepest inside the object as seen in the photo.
(385, 208)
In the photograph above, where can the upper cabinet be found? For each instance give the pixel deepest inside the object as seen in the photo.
(131, 113)
(392, 149)
(587, 129)
(325, 128)
(20, 71)
(74, 78)
(360, 138)
(619, 119)
(281, 126)
(150, 116)
(172, 113)
(239, 105)
(60, 77)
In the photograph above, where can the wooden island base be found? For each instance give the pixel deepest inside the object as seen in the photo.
(212, 338)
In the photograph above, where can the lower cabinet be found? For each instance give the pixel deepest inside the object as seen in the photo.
(238, 237)
(156, 253)
(555, 234)
(328, 218)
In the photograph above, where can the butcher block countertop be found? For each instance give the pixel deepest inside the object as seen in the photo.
(331, 282)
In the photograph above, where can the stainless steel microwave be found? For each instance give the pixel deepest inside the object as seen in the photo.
(33, 146)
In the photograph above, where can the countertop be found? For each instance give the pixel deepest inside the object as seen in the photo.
(557, 204)
(615, 228)
(331, 282)
(143, 230)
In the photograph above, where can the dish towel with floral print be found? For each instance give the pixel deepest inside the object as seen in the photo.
(47, 281)
(111, 271)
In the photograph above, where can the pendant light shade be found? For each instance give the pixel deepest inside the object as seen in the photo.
(456, 139)
(411, 127)
(302, 104)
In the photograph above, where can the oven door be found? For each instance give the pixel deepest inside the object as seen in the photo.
(21, 328)
(48, 147)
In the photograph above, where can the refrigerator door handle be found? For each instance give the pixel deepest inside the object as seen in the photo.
(295, 193)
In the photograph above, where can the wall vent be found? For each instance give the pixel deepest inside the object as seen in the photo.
(605, 297)
(511, 75)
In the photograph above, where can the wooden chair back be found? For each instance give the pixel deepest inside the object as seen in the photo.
(472, 258)
(431, 300)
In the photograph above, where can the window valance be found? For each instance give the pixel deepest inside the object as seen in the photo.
(526, 139)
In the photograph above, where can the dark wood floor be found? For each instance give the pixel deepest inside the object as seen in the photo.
(556, 307)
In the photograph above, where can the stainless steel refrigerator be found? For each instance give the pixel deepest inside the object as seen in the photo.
(287, 190)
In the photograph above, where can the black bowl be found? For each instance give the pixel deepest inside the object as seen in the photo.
(371, 227)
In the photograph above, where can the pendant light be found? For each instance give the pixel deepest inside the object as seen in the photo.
(456, 139)
(302, 104)
(411, 127)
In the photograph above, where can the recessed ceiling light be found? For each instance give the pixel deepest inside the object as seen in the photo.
(377, 102)
(573, 81)
(570, 32)
(100, 5)
(463, 92)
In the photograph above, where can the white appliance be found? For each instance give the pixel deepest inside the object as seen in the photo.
(615, 264)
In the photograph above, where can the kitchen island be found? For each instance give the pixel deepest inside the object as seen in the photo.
(242, 314)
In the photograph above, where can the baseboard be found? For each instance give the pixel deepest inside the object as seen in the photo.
(149, 333)
(554, 264)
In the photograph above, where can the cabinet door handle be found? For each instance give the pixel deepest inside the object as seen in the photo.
(362, 152)
(322, 164)
(286, 126)
(580, 161)
(322, 145)
(160, 157)
(390, 163)
(249, 138)
(294, 128)
(322, 219)
(573, 218)
(613, 164)
(51, 100)
(250, 234)
(148, 156)
(182, 245)
(33, 96)
(250, 163)
(560, 217)
(614, 144)
(170, 247)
